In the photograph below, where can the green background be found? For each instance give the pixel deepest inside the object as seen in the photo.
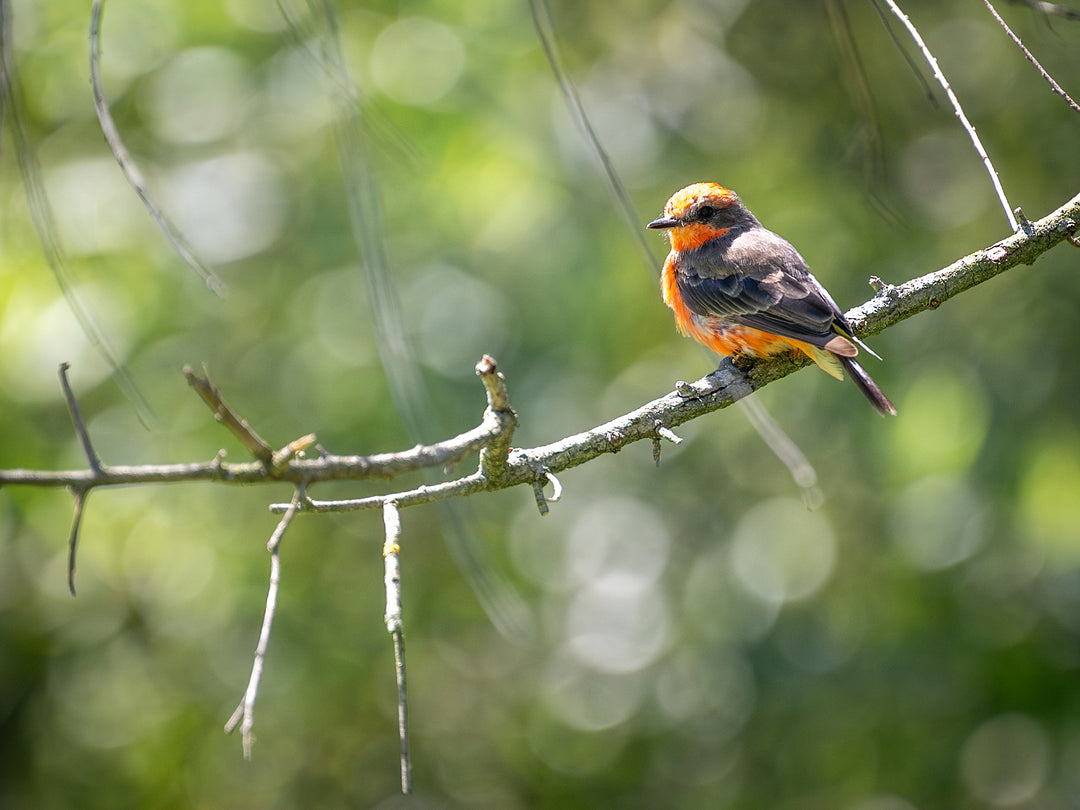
(688, 636)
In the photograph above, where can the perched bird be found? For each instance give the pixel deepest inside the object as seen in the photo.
(738, 288)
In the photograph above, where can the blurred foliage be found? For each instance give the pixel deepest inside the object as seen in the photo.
(701, 640)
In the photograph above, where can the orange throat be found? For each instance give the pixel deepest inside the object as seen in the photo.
(693, 235)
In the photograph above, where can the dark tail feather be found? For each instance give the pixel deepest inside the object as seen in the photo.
(868, 387)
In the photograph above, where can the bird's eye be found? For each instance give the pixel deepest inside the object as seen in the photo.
(705, 212)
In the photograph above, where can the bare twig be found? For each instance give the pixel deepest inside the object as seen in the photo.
(245, 711)
(80, 493)
(493, 457)
(541, 499)
(498, 398)
(127, 164)
(1027, 55)
(396, 628)
(425, 493)
(662, 432)
(545, 476)
(915, 35)
(73, 537)
(666, 433)
(77, 420)
(213, 397)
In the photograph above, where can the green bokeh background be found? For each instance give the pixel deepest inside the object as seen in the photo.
(694, 637)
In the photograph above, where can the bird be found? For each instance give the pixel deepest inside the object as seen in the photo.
(740, 289)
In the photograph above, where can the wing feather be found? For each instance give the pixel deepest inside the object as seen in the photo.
(726, 278)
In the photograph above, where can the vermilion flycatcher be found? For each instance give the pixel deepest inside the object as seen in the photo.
(738, 288)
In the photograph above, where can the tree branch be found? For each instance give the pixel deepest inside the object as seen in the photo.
(727, 384)
(327, 467)
(502, 467)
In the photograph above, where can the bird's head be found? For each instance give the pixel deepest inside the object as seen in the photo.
(699, 213)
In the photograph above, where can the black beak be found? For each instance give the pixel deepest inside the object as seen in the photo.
(663, 222)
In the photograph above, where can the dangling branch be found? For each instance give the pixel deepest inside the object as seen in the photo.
(245, 711)
(73, 536)
(80, 493)
(396, 627)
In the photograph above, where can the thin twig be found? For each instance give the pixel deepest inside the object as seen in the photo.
(1027, 55)
(395, 626)
(80, 493)
(127, 164)
(214, 399)
(73, 537)
(545, 476)
(245, 711)
(541, 499)
(425, 493)
(662, 432)
(958, 110)
(77, 420)
(666, 433)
